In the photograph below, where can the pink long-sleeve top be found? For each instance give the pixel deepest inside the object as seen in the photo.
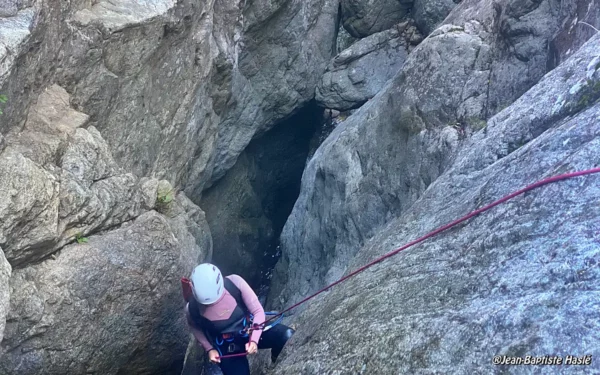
(223, 308)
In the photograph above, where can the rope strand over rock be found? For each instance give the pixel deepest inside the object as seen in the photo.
(427, 236)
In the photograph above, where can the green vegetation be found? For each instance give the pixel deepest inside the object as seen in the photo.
(477, 123)
(165, 197)
(591, 93)
(517, 144)
(80, 238)
(3, 99)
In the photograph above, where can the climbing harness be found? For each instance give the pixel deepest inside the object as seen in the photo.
(233, 341)
(230, 336)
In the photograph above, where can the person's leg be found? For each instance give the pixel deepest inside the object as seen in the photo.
(235, 366)
(275, 339)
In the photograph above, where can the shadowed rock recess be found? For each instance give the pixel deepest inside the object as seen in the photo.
(316, 135)
(247, 208)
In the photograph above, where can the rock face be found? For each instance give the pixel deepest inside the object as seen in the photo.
(358, 73)
(5, 273)
(120, 295)
(365, 17)
(15, 22)
(286, 47)
(247, 209)
(343, 40)
(195, 359)
(112, 303)
(62, 182)
(119, 111)
(177, 88)
(378, 162)
(519, 33)
(518, 280)
(107, 101)
(581, 22)
(430, 13)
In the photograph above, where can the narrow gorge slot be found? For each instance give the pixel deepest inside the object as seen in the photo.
(313, 148)
(247, 209)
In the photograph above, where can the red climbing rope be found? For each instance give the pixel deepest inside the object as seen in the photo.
(233, 355)
(429, 235)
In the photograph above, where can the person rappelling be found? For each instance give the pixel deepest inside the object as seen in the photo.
(229, 321)
(226, 318)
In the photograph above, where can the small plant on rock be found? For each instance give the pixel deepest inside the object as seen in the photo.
(477, 123)
(165, 197)
(591, 93)
(3, 99)
(80, 238)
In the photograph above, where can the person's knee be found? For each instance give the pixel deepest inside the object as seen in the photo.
(285, 333)
(288, 333)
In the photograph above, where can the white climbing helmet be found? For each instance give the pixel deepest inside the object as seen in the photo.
(207, 283)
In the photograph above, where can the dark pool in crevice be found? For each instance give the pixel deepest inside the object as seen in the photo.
(247, 209)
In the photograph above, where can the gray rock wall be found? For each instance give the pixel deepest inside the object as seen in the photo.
(518, 280)
(110, 99)
(365, 17)
(195, 358)
(520, 33)
(428, 14)
(106, 98)
(379, 161)
(286, 48)
(580, 22)
(247, 208)
(111, 305)
(62, 182)
(193, 82)
(5, 273)
(358, 73)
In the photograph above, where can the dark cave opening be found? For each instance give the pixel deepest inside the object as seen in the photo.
(247, 209)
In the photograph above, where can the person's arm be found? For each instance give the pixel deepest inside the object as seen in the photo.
(198, 334)
(252, 303)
